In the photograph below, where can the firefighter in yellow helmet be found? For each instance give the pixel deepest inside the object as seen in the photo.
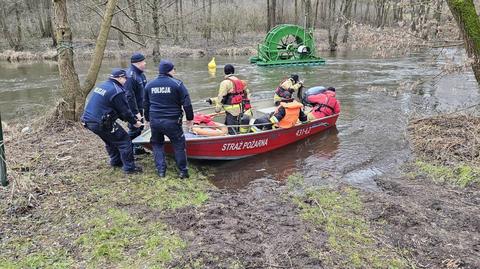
(286, 89)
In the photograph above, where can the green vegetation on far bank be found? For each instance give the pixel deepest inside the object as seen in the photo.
(339, 213)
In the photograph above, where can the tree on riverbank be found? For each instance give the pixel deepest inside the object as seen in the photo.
(467, 19)
(74, 95)
(195, 22)
(14, 38)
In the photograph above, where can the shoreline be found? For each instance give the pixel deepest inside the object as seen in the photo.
(384, 42)
(177, 52)
(60, 167)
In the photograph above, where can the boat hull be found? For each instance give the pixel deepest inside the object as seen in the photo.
(233, 147)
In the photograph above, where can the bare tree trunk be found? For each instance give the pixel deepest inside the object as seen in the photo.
(296, 12)
(438, 11)
(386, 11)
(315, 21)
(205, 25)
(156, 30)
(380, 12)
(121, 42)
(66, 67)
(134, 14)
(427, 26)
(100, 45)
(48, 24)
(437, 16)
(355, 9)
(347, 14)
(177, 26)
(39, 13)
(323, 13)
(273, 13)
(308, 11)
(209, 20)
(332, 37)
(6, 33)
(269, 20)
(19, 28)
(366, 17)
(280, 12)
(182, 22)
(467, 19)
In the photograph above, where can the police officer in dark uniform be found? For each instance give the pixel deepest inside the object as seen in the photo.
(105, 104)
(164, 98)
(134, 86)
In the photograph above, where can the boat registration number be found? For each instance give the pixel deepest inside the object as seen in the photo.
(303, 131)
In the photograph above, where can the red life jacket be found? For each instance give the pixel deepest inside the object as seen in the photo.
(238, 95)
(235, 95)
(201, 118)
(326, 104)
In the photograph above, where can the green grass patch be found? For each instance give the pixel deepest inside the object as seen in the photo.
(147, 189)
(119, 217)
(49, 258)
(116, 236)
(461, 175)
(168, 193)
(340, 214)
(127, 242)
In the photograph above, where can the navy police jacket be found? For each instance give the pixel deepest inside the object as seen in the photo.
(107, 98)
(164, 98)
(134, 86)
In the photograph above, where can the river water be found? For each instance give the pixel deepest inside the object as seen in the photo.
(370, 137)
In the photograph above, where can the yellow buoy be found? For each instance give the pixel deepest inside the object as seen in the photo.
(212, 64)
(212, 72)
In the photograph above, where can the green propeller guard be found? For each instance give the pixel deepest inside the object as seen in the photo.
(287, 44)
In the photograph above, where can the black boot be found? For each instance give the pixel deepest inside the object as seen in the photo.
(135, 170)
(183, 175)
(139, 150)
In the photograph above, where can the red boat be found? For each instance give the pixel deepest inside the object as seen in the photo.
(231, 147)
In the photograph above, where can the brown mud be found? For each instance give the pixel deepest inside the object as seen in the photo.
(257, 227)
(430, 224)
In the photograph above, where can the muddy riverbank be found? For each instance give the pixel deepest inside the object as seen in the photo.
(66, 208)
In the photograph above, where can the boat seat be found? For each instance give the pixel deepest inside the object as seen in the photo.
(267, 110)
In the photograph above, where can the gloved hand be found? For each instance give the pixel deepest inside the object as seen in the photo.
(209, 100)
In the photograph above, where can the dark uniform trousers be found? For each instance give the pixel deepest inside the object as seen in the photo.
(117, 143)
(173, 130)
(232, 120)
